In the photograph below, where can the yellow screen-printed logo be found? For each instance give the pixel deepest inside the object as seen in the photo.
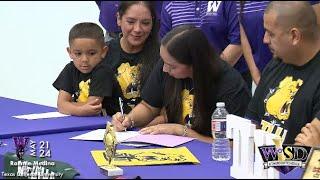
(127, 78)
(84, 88)
(187, 105)
(278, 102)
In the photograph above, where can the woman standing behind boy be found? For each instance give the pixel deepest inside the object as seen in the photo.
(133, 54)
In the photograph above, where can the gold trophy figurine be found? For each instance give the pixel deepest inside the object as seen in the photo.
(110, 145)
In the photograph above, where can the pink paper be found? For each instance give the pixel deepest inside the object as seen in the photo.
(160, 139)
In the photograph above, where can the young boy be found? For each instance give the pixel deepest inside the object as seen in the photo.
(85, 85)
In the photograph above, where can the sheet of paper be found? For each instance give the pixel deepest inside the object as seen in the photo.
(161, 139)
(140, 157)
(134, 137)
(97, 135)
(40, 116)
(123, 136)
(135, 144)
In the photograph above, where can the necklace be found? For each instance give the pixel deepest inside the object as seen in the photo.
(126, 47)
(187, 84)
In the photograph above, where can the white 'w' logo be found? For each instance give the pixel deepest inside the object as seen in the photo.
(213, 6)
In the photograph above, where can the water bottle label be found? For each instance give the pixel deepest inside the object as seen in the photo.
(218, 125)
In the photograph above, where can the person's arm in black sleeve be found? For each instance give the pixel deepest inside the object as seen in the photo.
(233, 91)
(252, 111)
(152, 92)
(65, 104)
(149, 107)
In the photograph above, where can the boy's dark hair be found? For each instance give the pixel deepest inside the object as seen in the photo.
(86, 30)
(189, 46)
(150, 51)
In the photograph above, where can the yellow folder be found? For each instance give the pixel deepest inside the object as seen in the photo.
(142, 157)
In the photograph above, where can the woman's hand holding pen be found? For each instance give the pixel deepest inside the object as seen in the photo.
(121, 122)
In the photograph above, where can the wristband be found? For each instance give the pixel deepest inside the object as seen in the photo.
(132, 124)
(185, 130)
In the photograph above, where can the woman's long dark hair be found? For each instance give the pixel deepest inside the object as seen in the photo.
(189, 46)
(150, 52)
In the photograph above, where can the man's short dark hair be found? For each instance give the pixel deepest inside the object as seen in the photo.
(298, 14)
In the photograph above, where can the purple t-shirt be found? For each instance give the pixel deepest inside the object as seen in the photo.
(218, 20)
(108, 14)
(252, 22)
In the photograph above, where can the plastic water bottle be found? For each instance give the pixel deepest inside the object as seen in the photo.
(221, 145)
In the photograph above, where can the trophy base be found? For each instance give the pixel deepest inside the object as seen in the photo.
(111, 171)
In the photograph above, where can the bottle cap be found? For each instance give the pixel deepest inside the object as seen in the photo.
(220, 104)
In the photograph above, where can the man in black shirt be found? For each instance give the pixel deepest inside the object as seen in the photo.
(288, 95)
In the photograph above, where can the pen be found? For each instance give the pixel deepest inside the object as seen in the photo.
(121, 109)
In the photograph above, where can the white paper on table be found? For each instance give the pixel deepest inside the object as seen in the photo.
(40, 116)
(166, 140)
(124, 135)
(135, 144)
(134, 138)
(97, 135)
